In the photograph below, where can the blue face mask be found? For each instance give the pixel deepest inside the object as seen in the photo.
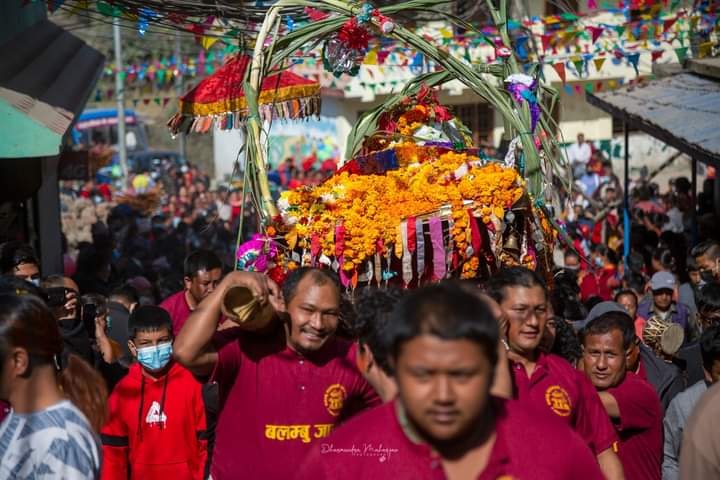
(155, 357)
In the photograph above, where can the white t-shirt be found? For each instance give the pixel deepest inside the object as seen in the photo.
(579, 153)
(56, 443)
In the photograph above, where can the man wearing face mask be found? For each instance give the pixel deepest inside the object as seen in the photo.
(156, 422)
(707, 256)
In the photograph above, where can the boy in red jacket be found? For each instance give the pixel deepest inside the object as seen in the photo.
(156, 423)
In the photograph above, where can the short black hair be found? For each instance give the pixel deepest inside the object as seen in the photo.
(609, 321)
(125, 292)
(513, 277)
(447, 311)
(626, 292)
(373, 309)
(12, 285)
(708, 297)
(321, 276)
(710, 248)
(201, 260)
(710, 346)
(566, 343)
(16, 253)
(148, 318)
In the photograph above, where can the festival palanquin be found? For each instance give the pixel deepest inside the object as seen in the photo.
(419, 204)
(416, 201)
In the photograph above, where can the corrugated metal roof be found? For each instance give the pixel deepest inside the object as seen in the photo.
(682, 110)
(47, 75)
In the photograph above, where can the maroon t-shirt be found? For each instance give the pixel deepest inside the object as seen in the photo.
(559, 390)
(276, 403)
(640, 428)
(379, 444)
(176, 305)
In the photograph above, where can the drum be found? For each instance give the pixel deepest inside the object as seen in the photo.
(240, 305)
(662, 336)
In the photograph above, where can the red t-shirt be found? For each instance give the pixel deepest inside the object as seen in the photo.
(176, 305)
(640, 428)
(565, 393)
(275, 403)
(375, 445)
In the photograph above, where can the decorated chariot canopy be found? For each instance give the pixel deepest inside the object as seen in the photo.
(219, 99)
(415, 201)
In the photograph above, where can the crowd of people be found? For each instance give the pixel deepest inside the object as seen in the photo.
(126, 367)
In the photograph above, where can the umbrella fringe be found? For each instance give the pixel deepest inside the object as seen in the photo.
(291, 109)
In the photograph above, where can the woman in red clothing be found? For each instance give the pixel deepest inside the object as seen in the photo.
(601, 279)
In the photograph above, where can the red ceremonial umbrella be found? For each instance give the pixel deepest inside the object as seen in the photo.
(220, 98)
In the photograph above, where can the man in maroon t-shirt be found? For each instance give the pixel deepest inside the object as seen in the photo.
(442, 343)
(544, 382)
(203, 271)
(280, 390)
(630, 402)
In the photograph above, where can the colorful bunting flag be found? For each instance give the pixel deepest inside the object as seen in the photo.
(681, 54)
(598, 61)
(560, 69)
(595, 32)
(633, 58)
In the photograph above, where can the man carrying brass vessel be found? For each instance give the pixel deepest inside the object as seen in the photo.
(297, 362)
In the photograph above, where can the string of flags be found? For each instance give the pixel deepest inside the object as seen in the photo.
(109, 94)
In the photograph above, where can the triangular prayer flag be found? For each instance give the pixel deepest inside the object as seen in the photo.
(633, 58)
(545, 41)
(620, 29)
(146, 101)
(157, 101)
(656, 54)
(598, 86)
(165, 101)
(579, 64)
(704, 49)
(595, 32)
(592, 4)
(578, 89)
(681, 53)
(135, 102)
(589, 87)
(560, 69)
(598, 63)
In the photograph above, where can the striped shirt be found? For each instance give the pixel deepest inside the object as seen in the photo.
(57, 442)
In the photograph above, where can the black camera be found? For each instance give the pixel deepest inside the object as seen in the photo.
(56, 296)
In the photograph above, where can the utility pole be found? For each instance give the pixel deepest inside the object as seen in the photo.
(179, 87)
(120, 95)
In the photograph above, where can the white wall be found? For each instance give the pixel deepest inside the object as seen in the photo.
(226, 145)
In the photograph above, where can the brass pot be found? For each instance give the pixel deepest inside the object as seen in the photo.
(240, 305)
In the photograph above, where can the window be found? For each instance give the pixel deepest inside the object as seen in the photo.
(556, 7)
(479, 118)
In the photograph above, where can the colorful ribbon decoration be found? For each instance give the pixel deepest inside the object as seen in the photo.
(438, 248)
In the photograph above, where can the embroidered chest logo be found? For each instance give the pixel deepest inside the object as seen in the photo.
(155, 416)
(558, 400)
(334, 399)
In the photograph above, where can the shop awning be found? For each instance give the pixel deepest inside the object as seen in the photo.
(46, 76)
(682, 110)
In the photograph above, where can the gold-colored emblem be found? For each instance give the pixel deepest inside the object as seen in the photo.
(558, 400)
(334, 399)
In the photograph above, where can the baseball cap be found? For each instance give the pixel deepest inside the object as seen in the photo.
(599, 309)
(662, 281)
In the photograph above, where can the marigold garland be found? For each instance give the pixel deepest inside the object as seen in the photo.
(370, 207)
